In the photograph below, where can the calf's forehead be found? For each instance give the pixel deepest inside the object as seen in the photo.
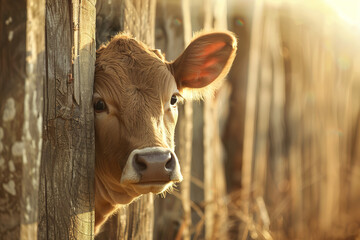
(128, 72)
(128, 52)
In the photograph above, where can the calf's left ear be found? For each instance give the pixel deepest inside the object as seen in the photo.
(206, 59)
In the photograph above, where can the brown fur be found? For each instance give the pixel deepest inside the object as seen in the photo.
(136, 83)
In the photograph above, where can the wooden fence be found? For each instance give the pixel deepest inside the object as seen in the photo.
(47, 65)
(47, 138)
(288, 117)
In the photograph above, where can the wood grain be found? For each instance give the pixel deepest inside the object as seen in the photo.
(12, 90)
(33, 117)
(185, 137)
(66, 196)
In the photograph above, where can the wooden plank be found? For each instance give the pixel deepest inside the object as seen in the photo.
(24, 113)
(12, 91)
(109, 20)
(67, 165)
(240, 17)
(184, 146)
(33, 117)
(219, 115)
(251, 98)
(208, 141)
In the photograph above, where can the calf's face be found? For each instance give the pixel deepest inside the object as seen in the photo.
(135, 101)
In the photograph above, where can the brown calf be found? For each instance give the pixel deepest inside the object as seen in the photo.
(135, 101)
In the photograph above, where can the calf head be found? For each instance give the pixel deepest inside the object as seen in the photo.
(135, 101)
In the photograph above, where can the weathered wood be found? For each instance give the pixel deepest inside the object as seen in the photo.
(196, 199)
(33, 117)
(214, 178)
(185, 128)
(109, 20)
(240, 19)
(250, 113)
(26, 113)
(12, 91)
(169, 28)
(239, 16)
(66, 196)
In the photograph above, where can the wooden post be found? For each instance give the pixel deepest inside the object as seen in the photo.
(214, 176)
(208, 141)
(184, 146)
(251, 98)
(33, 117)
(12, 94)
(22, 40)
(66, 196)
(46, 128)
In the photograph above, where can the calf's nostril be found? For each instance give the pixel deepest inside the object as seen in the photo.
(140, 163)
(170, 164)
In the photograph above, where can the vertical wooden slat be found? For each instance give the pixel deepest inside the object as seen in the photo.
(263, 113)
(330, 97)
(271, 190)
(276, 129)
(33, 118)
(294, 111)
(84, 60)
(215, 15)
(185, 127)
(350, 205)
(240, 16)
(12, 92)
(208, 141)
(66, 196)
(250, 111)
(109, 20)
(197, 189)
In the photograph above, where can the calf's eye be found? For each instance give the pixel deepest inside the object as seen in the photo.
(173, 100)
(100, 106)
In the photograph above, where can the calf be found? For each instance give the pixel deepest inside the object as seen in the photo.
(135, 102)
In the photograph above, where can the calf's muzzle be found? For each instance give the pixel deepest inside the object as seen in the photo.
(153, 165)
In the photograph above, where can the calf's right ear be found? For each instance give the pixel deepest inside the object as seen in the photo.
(208, 58)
